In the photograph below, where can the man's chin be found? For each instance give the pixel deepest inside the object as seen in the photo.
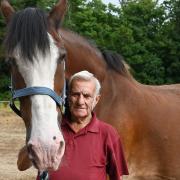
(80, 115)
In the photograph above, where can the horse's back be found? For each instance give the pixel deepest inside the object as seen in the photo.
(173, 89)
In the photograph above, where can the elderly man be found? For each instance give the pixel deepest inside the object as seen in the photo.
(93, 148)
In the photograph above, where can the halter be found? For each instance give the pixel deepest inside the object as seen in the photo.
(37, 90)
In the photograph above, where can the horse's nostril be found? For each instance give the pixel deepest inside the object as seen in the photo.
(54, 137)
(61, 148)
(31, 151)
(29, 147)
(61, 144)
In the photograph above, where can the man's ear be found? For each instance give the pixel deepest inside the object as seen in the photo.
(96, 100)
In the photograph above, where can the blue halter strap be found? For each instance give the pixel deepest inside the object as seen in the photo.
(37, 90)
(34, 91)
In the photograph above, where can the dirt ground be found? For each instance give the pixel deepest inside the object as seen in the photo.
(12, 138)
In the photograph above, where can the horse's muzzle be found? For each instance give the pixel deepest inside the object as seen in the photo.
(46, 157)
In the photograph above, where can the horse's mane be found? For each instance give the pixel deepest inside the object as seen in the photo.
(115, 62)
(28, 31)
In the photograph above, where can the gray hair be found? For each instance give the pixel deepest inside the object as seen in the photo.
(87, 76)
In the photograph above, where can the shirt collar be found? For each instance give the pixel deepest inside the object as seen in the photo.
(93, 125)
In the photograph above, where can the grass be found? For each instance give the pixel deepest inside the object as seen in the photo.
(5, 104)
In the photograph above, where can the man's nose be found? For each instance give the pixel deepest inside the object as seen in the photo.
(81, 99)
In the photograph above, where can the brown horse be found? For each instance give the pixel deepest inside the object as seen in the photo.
(146, 117)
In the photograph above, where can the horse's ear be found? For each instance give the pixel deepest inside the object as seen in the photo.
(7, 10)
(57, 14)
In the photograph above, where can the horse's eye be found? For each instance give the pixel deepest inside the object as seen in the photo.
(11, 60)
(59, 60)
(62, 55)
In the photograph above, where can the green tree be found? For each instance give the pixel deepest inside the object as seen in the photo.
(140, 32)
(170, 52)
(94, 20)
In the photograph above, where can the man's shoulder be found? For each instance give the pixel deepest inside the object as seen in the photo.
(107, 128)
(104, 124)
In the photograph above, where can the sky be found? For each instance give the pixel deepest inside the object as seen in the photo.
(115, 2)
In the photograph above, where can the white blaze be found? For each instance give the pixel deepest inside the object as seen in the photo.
(41, 73)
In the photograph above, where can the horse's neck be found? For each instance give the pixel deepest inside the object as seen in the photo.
(82, 56)
(117, 91)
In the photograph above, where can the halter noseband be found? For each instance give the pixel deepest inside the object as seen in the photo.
(37, 90)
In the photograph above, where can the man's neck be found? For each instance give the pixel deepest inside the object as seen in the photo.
(79, 123)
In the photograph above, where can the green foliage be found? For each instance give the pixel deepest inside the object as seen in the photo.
(89, 19)
(141, 22)
(4, 80)
(4, 87)
(171, 41)
(135, 30)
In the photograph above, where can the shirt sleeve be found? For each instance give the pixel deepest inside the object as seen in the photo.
(116, 163)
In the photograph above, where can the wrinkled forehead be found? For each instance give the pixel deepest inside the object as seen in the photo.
(83, 85)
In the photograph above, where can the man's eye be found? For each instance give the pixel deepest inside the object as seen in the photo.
(86, 95)
(74, 94)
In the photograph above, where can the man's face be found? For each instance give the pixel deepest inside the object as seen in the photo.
(82, 98)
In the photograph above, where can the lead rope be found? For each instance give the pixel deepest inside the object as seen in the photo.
(44, 175)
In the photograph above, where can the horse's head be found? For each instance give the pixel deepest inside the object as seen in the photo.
(37, 59)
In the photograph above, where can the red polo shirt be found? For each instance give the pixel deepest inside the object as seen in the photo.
(91, 154)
